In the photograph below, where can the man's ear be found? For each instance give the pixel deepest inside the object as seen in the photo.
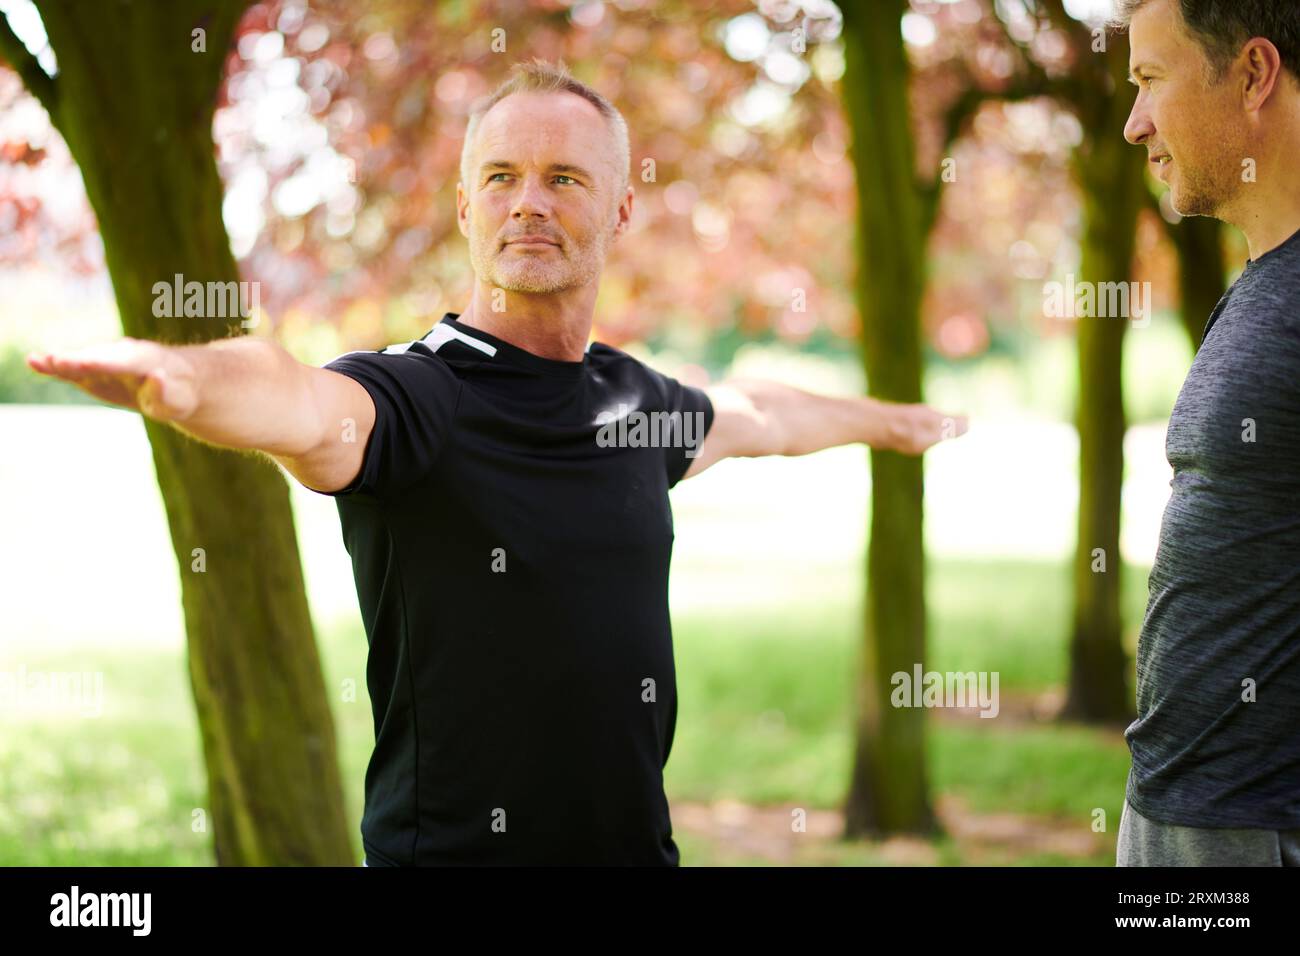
(459, 196)
(618, 214)
(1263, 64)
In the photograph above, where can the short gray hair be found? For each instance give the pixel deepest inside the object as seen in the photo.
(539, 76)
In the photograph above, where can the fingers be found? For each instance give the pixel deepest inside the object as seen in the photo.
(953, 426)
(133, 373)
(123, 357)
(67, 367)
(43, 363)
(931, 426)
(111, 373)
(58, 366)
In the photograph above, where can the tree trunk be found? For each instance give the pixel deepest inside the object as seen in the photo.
(1198, 241)
(1109, 172)
(888, 792)
(134, 102)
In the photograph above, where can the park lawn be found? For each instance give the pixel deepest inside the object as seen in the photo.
(764, 718)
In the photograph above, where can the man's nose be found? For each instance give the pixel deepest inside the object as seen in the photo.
(531, 199)
(1139, 125)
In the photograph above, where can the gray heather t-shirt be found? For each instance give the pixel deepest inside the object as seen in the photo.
(1223, 617)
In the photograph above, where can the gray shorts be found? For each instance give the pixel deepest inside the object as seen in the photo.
(1145, 842)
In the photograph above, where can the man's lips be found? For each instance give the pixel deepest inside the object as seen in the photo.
(531, 241)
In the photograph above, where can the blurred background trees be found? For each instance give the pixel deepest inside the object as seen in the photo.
(132, 94)
(888, 791)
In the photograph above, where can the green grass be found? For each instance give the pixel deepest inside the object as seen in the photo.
(1013, 617)
(758, 693)
(128, 787)
(1049, 770)
(114, 790)
(764, 717)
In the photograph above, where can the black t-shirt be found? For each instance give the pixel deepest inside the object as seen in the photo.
(511, 550)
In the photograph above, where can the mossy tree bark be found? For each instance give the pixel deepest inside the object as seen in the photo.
(888, 791)
(134, 100)
(1110, 176)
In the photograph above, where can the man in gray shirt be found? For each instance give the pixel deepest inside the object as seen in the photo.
(1216, 745)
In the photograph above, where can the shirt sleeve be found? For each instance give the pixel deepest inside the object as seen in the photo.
(696, 415)
(415, 396)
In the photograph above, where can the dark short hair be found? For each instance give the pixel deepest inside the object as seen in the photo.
(1222, 27)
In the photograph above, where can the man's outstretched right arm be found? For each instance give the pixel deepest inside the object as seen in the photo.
(237, 392)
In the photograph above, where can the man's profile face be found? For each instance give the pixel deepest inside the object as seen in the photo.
(543, 164)
(1180, 113)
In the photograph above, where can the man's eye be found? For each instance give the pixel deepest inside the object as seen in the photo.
(495, 175)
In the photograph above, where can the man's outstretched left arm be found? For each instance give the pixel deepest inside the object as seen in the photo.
(754, 417)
